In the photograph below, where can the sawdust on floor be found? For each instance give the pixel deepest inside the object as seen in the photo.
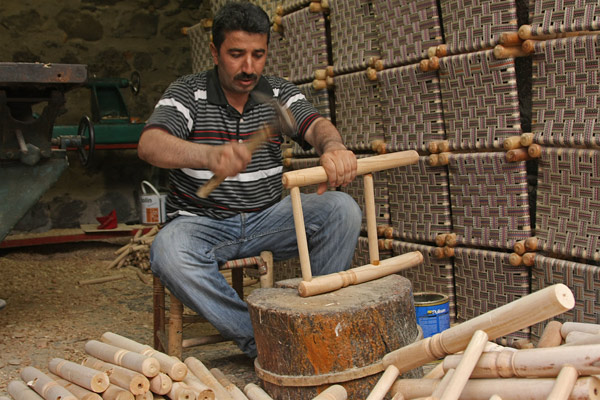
(49, 314)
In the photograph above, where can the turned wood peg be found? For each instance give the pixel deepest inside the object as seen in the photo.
(551, 336)
(145, 365)
(531, 244)
(333, 392)
(519, 247)
(83, 376)
(512, 142)
(534, 150)
(255, 392)
(515, 155)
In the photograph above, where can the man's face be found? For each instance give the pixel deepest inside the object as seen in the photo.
(240, 61)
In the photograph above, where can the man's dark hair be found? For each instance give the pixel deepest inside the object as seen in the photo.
(239, 16)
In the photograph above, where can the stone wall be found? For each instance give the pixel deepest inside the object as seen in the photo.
(113, 38)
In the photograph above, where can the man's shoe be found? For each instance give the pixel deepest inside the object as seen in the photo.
(2, 304)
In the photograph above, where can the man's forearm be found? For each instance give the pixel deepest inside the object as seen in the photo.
(324, 137)
(164, 150)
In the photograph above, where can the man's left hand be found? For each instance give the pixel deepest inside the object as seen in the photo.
(340, 166)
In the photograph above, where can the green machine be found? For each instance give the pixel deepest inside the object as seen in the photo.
(29, 164)
(110, 125)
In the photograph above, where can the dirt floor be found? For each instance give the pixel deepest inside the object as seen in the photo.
(49, 314)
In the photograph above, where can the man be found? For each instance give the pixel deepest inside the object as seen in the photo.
(197, 130)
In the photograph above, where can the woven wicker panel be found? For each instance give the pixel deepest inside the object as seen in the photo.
(490, 204)
(480, 99)
(432, 275)
(200, 38)
(484, 281)
(278, 56)
(568, 202)
(554, 16)
(270, 6)
(380, 185)
(354, 36)
(411, 105)
(565, 91)
(357, 110)
(407, 29)
(471, 25)
(419, 201)
(582, 279)
(361, 254)
(307, 38)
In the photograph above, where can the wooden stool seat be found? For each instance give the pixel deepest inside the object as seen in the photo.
(173, 342)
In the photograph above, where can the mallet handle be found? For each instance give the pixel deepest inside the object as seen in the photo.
(315, 175)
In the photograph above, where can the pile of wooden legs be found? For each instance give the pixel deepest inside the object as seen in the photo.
(121, 369)
(136, 252)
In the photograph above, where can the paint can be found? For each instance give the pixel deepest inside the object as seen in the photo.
(432, 311)
(152, 205)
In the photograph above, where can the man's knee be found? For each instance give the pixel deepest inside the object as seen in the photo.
(346, 211)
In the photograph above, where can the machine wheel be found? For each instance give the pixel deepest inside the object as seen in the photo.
(87, 139)
(135, 82)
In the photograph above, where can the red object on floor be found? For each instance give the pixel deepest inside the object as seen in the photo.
(109, 221)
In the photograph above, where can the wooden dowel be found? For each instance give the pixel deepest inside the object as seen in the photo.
(523, 343)
(117, 393)
(515, 259)
(384, 383)
(45, 386)
(440, 240)
(511, 388)
(145, 396)
(86, 377)
(371, 74)
(315, 175)
(434, 64)
(519, 247)
(203, 374)
(502, 52)
(465, 366)
(521, 313)
(511, 142)
(148, 366)
(585, 327)
(319, 84)
(510, 38)
(441, 388)
(301, 234)
(235, 392)
(448, 251)
(369, 192)
(78, 391)
(534, 150)
(125, 378)
(444, 158)
(203, 392)
(433, 160)
(527, 139)
(441, 50)
(529, 259)
(451, 239)
(433, 147)
(581, 338)
(20, 391)
(101, 280)
(333, 392)
(551, 336)
(516, 155)
(436, 372)
(255, 392)
(424, 65)
(169, 365)
(365, 273)
(181, 391)
(531, 244)
(161, 383)
(535, 362)
(528, 46)
(565, 381)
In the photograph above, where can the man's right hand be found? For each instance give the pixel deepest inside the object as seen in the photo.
(229, 159)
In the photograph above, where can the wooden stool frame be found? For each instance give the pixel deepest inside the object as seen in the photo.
(171, 340)
(293, 180)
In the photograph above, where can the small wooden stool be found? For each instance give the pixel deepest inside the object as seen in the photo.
(173, 344)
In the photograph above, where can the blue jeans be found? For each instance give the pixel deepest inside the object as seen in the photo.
(186, 254)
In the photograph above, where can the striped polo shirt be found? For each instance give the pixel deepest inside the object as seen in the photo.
(194, 108)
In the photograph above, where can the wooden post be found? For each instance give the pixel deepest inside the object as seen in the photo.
(125, 378)
(204, 375)
(116, 393)
(124, 358)
(441, 388)
(45, 386)
(384, 383)
(585, 327)
(86, 377)
(365, 273)
(333, 392)
(255, 392)
(175, 327)
(161, 384)
(169, 365)
(369, 190)
(301, 234)
(521, 313)
(551, 336)
(181, 391)
(20, 391)
(235, 392)
(465, 366)
(78, 391)
(203, 392)
(536, 362)
(565, 381)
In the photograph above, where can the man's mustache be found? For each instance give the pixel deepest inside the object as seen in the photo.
(245, 76)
